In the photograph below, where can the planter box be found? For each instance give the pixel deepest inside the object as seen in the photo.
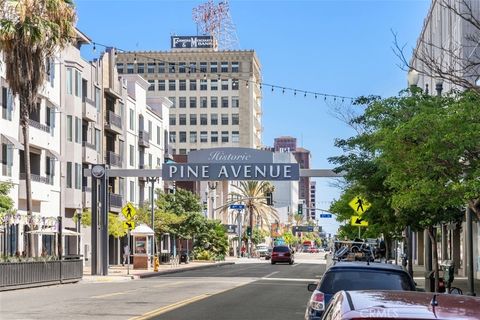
(17, 275)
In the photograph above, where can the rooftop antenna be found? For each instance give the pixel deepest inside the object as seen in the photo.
(215, 20)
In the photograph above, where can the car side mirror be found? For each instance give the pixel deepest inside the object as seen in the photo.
(311, 287)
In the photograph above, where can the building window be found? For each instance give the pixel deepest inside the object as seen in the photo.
(224, 136)
(213, 102)
(203, 67)
(7, 160)
(78, 83)
(193, 137)
(159, 163)
(235, 119)
(203, 102)
(224, 102)
(150, 130)
(213, 85)
(132, 191)
(235, 66)
(235, 136)
(151, 67)
(150, 161)
(183, 136)
(235, 102)
(98, 100)
(158, 135)
(193, 119)
(161, 67)
(182, 102)
(213, 67)
(69, 81)
(161, 85)
(69, 128)
(132, 119)
(203, 119)
(172, 120)
(224, 119)
(193, 67)
(152, 85)
(141, 67)
(7, 103)
(120, 68)
(98, 140)
(173, 137)
(203, 84)
(182, 85)
(182, 151)
(224, 84)
(214, 136)
(224, 66)
(130, 68)
(193, 85)
(203, 136)
(234, 84)
(171, 67)
(182, 119)
(181, 67)
(171, 85)
(213, 119)
(69, 174)
(193, 102)
(132, 155)
(174, 102)
(78, 176)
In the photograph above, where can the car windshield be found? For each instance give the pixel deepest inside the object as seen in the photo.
(335, 281)
(280, 249)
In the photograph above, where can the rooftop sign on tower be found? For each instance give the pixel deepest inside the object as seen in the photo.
(193, 42)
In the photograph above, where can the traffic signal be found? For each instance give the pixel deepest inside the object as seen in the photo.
(300, 208)
(249, 231)
(270, 199)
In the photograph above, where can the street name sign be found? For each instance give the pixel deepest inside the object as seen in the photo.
(358, 221)
(305, 228)
(359, 205)
(237, 206)
(325, 215)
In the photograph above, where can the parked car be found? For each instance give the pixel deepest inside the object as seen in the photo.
(262, 250)
(268, 255)
(282, 254)
(349, 305)
(313, 250)
(355, 276)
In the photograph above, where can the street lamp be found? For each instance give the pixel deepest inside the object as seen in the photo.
(439, 86)
(412, 78)
(212, 186)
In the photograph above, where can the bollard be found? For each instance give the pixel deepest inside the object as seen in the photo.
(156, 264)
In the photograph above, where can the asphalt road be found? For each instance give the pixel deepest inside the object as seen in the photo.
(254, 289)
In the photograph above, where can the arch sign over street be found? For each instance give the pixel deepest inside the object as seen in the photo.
(230, 164)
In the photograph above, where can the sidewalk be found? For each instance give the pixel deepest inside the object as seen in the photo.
(459, 282)
(118, 273)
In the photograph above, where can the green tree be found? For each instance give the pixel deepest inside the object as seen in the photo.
(298, 218)
(180, 202)
(115, 225)
(6, 202)
(30, 34)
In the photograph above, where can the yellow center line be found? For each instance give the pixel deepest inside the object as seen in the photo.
(170, 307)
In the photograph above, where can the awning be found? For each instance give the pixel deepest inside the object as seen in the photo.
(50, 231)
(55, 154)
(16, 144)
(142, 230)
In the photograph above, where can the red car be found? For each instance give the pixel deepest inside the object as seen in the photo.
(282, 254)
(349, 305)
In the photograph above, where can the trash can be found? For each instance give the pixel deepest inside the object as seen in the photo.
(183, 258)
(448, 267)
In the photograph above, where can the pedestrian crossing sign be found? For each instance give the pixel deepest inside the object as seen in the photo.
(359, 205)
(129, 225)
(129, 211)
(358, 221)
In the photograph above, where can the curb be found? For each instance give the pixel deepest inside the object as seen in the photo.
(163, 272)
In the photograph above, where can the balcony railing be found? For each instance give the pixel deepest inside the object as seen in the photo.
(116, 200)
(144, 138)
(114, 119)
(114, 159)
(37, 178)
(38, 125)
(89, 145)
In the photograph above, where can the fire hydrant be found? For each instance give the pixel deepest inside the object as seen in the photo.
(156, 264)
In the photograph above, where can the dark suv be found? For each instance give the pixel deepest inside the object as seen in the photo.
(355, 276)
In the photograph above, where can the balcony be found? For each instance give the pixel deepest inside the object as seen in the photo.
(89, 152)
(38, 125)
(114, 122)
(114, 159)
(39, 187)
(89, 110)
(37, 178)
(143, 138)
(39, 135)
(116, 200)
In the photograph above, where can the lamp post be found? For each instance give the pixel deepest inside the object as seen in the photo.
(212, 186)
(152, 180)
(439, 86)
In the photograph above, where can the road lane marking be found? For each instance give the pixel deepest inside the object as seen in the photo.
(271, 274)
(289, 279)
(111, 294)
(169, 284)
(295, 265)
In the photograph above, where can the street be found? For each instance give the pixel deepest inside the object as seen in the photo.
(250, 289)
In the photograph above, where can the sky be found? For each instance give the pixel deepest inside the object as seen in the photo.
(334, 47)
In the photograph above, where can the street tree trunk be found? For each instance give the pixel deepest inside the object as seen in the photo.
(250, 247)
(24, 117)
(433, 238)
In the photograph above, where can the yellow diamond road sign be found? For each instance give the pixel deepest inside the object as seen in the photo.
(358, 221)
(129, 225)
(359, 205)
(129, 211)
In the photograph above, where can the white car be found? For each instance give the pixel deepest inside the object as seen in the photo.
(262, 250)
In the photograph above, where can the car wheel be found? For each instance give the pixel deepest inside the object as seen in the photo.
(273, 262)
(290, 262)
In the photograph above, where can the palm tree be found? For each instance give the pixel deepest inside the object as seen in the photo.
(253, 194)
(298, 218)
(31, 31)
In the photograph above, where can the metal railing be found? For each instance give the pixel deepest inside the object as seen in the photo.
(38, 125)
(114, 159)
(28, 274)
(116, 200)
(89, 145)
(37, 178)
(144, 138)
(114, 119)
